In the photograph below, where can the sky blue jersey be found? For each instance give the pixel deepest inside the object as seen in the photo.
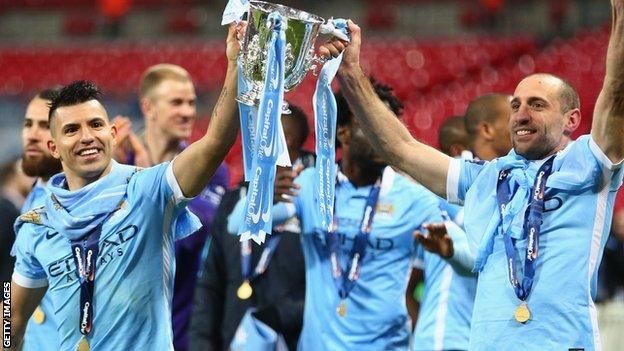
(135, 268)
(577, 216)
(446, 307)
(376, 315)
(40, 335)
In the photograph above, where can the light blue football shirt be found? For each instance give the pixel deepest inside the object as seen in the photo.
(135, 268)
(446, 307)
(578, 209)
(376, 317)
(40, 337)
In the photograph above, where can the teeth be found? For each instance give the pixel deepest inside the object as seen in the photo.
(523, 132)
(88, 152)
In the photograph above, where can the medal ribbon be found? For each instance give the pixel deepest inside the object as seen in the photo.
(265, 258)
(532, 226)
(325, 116)
(85, 253)
(346, 282)
(257, 222)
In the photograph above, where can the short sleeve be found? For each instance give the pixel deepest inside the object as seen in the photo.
(606, 165)
(460, 176)
(159, 186)
(28, 272)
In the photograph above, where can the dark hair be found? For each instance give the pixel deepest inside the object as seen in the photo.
(50, 93)
(483, 108)
(301, 119)
(73, 94)
(452, 131)
(385, 93)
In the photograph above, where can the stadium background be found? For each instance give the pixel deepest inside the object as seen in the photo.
(437, 54)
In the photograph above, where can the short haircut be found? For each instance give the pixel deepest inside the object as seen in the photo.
(452, 131)
(301, 119)
(483, 109)
(568, 96)
(385, 93)
(156, 74)
(50, 93)
(73, 94)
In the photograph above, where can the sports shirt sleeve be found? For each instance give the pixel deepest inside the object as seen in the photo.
(159, 186)
(460, 176)
(28, 272)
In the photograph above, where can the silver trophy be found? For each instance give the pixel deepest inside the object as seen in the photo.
(301, 27)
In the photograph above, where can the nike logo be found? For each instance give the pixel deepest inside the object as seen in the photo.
(51, 235)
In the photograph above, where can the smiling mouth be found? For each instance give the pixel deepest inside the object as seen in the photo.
(88, 152)
(524, 132)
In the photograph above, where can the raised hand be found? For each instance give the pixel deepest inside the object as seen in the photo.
(236, 32)
(127, 143)
(438, 241)
(285, 186)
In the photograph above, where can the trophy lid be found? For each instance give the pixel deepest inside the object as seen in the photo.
(286, 11)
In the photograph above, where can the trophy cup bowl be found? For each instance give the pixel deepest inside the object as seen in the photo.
(301, 28)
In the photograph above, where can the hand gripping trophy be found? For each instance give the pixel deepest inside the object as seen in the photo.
(277, 53)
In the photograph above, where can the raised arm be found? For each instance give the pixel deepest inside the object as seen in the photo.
(608, 122)
(194, 167)
(23, 304)
(388, 135)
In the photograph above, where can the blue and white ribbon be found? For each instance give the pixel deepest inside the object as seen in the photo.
(248, 120)
(258, 219)
(234, 11)
(325, 116)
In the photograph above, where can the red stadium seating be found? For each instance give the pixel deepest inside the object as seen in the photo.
(435, 79)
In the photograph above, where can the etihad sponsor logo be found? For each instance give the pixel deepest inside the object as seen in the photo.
(111, 248)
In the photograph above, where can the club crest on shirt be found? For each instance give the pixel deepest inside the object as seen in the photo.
(33, 216)
(384, 210)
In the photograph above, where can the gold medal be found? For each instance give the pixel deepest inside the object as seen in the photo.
(244, 291)
(38, 316)
(83, 345)
(522, 313)
(342, 309)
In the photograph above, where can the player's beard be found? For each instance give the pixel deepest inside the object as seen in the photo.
(44, 167)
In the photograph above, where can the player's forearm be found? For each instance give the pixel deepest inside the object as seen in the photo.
(390, 137)
(608, 121)
(195, 166)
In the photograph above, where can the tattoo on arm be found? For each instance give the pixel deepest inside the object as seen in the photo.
(219, 102)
